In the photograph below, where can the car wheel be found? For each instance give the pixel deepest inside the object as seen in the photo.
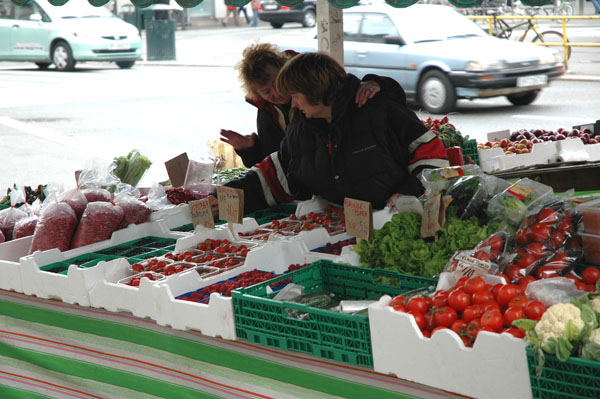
(62, 57)
(436, 93)
(523, 98)
(42, 65)
(309, 19)
(276, 25)
(125, 64)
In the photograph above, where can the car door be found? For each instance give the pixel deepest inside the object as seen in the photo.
(29, 39)
(6, 7)
(351, 27)
(376, 54)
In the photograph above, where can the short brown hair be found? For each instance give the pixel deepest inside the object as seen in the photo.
(317, 76)
(252, 68)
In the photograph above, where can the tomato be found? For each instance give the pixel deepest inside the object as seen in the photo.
(534, 310)
(438, 328)
(474, 284)
(524, 282)
(428, 300)
(565, 226)
(540, 232)
(400, 308)
(426, 333)
(495, 243)
(419, 318)
(515, 332)
(487, 328)
(523, 236)
(519, 300)
(492, 319)
(472, 312)
(514, 273)
(473, 329)
(417, 304)
(482, 297)
(440, 299)
(558, 239)
(545, 272)
(444, 316)
(397, 300)
(513, 313)
(459, 300)
(536, 249)
(504, 276)
(590, 275)
(495, 290)
(526, 261)
(590, 288)
(491, 305)
(572, 277)
(466, 340)
(459, 326)
(482, 255)
(580, 285)
(508, 292)
(461, 282)
(547, 215)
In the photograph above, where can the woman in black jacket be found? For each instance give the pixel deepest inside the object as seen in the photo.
(335, 149)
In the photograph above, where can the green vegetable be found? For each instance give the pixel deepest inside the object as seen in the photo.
(513, 210)
(131, 168)
(468, 194)
(223, 176)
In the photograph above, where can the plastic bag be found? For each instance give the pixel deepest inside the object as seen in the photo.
(199, 173)
(98, 222)
(9, 216)
(157, 198)
(436, 180)
(131, 168)
(55, 228)
(26, 226)
(513, 204)
(134, 210)
(75, 199)
(471, 263)
(95, 180)
(180, 195)
(468, 196)
(553, 291)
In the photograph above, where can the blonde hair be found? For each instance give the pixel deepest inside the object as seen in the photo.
(317, 76)
(252, 68)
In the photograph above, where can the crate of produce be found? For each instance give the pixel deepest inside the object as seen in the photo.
(576, 378)
(320, 332)
(469, 148)
(10, 253)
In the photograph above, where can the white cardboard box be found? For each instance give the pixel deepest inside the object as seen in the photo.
(10, 268)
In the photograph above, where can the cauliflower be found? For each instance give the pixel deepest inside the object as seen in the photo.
(555, 319)
(595, 336)
(596, 304)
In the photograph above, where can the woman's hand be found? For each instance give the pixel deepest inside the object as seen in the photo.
(390, 201)
(237, 141)
(366, 91)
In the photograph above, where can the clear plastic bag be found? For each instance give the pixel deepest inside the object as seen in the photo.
(134, 210)
(157, 198)
(26, 226)
(10, 216)
(553, 291)
(96, 180)
(513, 204)
(437, 180)
(55, 228)
(98, 222)
(468, 196)
(75, 199)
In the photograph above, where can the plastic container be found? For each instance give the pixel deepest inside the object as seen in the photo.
(591, 248)
(590, 211)
(322, 333)
(469, 149)
(574, 379)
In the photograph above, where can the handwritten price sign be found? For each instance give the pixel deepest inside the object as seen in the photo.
(430, 223)
(231, 204)
(359, 218)
(201, 213)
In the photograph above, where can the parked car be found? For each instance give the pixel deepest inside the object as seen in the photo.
(277, 15)
(65, 35)
(438, 55)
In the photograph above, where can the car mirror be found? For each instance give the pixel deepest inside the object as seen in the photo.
(35, 17)
(394, 40)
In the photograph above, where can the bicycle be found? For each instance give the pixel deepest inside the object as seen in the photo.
(503, 30)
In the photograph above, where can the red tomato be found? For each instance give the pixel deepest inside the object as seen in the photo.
(482, 255)
(519, 300)
(440, 299)
(514, 273)
(496, 288)
(558, 239)
(461, 282)
(459, 326)
(398, 300)
(491, 305)
(540, 232)
(581, 286)
(444, 316)
(513, 313)
(547, 215)
(399, 308)
(474, 284)
(526, 261)
(536, 249)
(419, 318)
(590, 275)
(492, 319)
(534, 310)
(487, 328)
(515, 332)
(472, 312)
(523, 236)
(473, 329)
(504, 276)
(590, 287)
(438, 328)
(565, 226)
(524, 282)
(416, 304)
(426, 333)
(495, 243)
(508, 292)
(482, 297)
(459, 300)
(545, 272)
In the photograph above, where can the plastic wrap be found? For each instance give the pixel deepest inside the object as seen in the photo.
(437, 180)
(75, 199)
(55, 228)
(468, 196)
(10, 216)
(98, 222)
(513, 204)
(134, 210)
(157, 198)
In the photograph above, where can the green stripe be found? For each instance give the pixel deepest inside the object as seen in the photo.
(14, 393)
(200, 351)
(103, 374)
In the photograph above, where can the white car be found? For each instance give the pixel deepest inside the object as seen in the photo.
(65, 35)
(438, 55)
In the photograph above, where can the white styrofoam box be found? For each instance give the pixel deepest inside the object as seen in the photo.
(494, 368)
(495, 159)
(216, 318)
(571, 149)
(202, 233)
(10, 268)
(593, 151)
(173, 217)
(447, 280)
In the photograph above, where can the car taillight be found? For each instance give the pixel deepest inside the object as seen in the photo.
(286, 8)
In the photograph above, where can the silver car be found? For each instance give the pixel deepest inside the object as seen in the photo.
(438, 56)
(64, 35)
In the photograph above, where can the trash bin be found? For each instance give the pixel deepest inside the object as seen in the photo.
(160, 36)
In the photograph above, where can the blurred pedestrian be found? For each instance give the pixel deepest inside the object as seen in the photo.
(243, 10)
(255, 4)
(233, 11)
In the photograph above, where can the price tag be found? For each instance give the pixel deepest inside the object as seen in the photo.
(451, 173)
(177, 168)
(519, 192)
(359, 218)
(201, 213)
(430, 223)
(445, 203)
(499, 135)
(231, 204)
(469, 266)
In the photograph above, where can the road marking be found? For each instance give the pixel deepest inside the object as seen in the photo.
(553, 118)
(37, 131)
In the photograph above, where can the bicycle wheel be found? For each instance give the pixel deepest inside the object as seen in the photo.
(552, 36)
(565, 9)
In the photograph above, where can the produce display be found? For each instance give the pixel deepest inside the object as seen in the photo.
(180, 195)
(131, 168)
(98, 222)
(446, 131)
(55, 228)
(335, 248)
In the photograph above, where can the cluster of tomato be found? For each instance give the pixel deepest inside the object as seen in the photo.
(336, 247)
(332, 219)
(223, 247)
(489, 250)
(471, 306)
(548, 244)
(163, 266)
(134, 281)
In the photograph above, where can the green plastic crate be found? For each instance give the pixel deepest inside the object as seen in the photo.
(83, 261)
(574, 379)
(147, 255)
(152, 242)
(274, 213)
(56, 267)
(324, 333)
(469, 148)
(3, 206)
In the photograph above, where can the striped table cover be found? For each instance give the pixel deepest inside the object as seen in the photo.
(49, 349)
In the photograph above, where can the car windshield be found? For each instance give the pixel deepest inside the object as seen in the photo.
(80, 9)
(424, 25)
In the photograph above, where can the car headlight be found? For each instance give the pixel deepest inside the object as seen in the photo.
(550, 58)
(479, 66)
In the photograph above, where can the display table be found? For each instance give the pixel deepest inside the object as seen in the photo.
(50, 349)
(561, 177)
